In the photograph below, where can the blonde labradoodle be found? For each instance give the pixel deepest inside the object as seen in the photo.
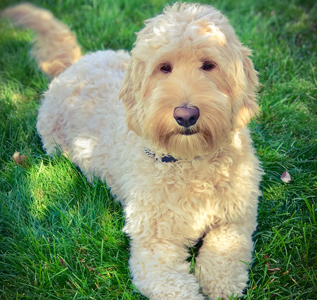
(165, 127)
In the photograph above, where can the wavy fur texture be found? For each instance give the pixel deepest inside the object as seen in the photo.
(55, 46)
(103, 110)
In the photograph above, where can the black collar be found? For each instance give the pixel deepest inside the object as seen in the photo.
(164, 158)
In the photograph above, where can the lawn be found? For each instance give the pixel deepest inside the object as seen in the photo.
(60, 237)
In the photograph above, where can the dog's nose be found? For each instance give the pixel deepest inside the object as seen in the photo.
(186, 116)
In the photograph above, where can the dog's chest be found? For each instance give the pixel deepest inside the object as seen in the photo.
(187, 200)
(206, 197)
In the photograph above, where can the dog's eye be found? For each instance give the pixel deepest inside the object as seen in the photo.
(166, 68)
(208, 66)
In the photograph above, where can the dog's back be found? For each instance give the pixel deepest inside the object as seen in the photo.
(55, 47)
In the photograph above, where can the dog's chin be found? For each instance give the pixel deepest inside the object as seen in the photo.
(184, 144)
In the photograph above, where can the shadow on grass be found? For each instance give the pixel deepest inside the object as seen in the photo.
(59, 231)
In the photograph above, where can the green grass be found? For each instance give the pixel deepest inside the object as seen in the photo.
(60, 237)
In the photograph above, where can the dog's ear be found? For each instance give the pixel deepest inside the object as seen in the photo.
(249, 106)
(130, 93)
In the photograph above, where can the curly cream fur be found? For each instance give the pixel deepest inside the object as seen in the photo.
(55, 46)
(102, 112)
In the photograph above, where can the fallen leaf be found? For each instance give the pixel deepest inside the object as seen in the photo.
(21, 160)
(269, 269)
(286, 177)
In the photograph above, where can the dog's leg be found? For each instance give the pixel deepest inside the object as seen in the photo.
(222, 263)
(160, 271)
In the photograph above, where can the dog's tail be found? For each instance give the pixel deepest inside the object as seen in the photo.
(55, 47)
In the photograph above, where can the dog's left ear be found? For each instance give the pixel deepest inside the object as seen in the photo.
(249, 106)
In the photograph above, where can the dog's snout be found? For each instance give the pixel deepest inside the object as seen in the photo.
(186, 116)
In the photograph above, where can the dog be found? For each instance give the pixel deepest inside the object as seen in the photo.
(165, 127)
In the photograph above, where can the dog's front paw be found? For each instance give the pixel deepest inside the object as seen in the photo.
(168, 295)
(169, 288)
(222, 287)
(216, 294)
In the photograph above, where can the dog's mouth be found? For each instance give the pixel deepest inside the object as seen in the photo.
(188, 132)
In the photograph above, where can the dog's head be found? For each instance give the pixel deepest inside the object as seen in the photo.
(190, 82)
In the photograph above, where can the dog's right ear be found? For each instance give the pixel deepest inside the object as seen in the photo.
(130, 94)
(249, 107)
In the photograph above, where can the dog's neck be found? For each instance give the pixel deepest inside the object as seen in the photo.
(233, 141)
